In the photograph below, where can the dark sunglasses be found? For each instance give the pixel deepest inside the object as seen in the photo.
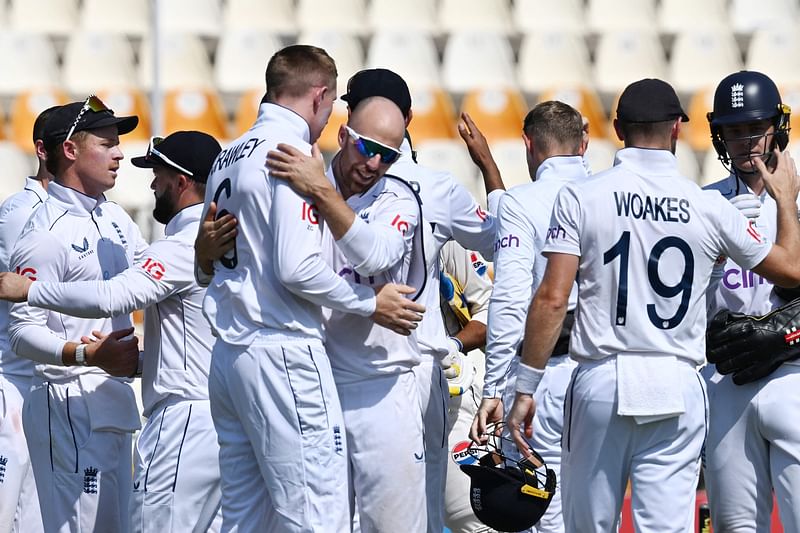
(94, 104)
(369, 148)
(153, 151)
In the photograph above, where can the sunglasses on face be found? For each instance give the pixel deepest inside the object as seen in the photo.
(369, 148)
(94, 104)
(152, 152)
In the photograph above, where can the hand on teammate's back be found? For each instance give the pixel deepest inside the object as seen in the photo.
(113, 352)
(783, 182)
(305, 174)
(14, 287)
(394, 311)
(217, 236)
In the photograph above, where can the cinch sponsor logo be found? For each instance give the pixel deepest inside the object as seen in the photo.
(556, 232)
(509, 241)
(735, 278)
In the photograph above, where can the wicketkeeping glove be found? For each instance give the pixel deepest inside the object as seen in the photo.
(458, 370)
(752, 347)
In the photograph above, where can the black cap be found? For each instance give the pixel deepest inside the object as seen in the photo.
(188, 152)
(61, 120)
(378, 82)
(649, 100)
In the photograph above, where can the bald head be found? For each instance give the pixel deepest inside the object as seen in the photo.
(379, 118)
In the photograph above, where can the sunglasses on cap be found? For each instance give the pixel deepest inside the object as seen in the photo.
(94, 104)
(369, 148)
(153, 151)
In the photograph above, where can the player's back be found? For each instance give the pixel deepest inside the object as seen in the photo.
(647, 239)
(246, 295)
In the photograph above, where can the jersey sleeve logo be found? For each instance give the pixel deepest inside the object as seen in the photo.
(556, 232)
(310, 214)
(155, 269)
(753, 231)
(401, 225)
(481, 213)
(28, 272)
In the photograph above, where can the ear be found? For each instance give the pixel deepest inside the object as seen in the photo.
(676, 129)
(319, 96)
(409, 117)
(70, 150)
(184, 182)
(41, 153)
(618, 130)
(528, 143)
(343, 135)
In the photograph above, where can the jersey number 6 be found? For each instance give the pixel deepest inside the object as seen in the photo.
(230, 259)
(683, 288)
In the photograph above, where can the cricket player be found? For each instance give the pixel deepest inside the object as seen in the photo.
(452, 213)
(553, 136)
(19, 503)
(465, 288)
(750, 421)
(81, 456)
(642, 241)
(177, 351)
(283, 449)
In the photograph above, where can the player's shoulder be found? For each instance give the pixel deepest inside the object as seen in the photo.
(726, 186)
(25, 199)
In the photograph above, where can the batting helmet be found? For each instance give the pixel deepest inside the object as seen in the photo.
(506, 494)
(747, 96)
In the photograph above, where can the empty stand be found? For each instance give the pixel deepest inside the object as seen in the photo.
(549, 15)
(776, 52)
(587, 102)
(345, 16)
(195, 109)
(452, 156)
(16, 167)
(129, 101)
(509, 155)
(184, 63)
(477, 60)
(623, 57)
(681, 15)
(415, 16)
(747, 15)
(550, 59)
(343, 47)
(25, 107)
(696, 132)
(27, 61)
(53, 17)
(412, 55)
(130, 17)
(433, 115)
(247, 111)
(475, 15)
(329, 140)
(701, 58)
(604, 16)
(198, 17)
(242, 57)
(498, 113)
(94, 61)
(599, 155)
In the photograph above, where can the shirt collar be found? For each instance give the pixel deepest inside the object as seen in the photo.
(183, 218)
(297, 124)
(561, 167)
(74, 200)
(648, 161)
(35, 186)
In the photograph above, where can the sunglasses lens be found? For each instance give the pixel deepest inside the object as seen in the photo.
(95, 104)
(370, 149)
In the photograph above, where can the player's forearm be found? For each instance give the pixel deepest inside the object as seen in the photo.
(545, 317)
(472, 335)
(96, 299)
(492, 181)
(334, 210)
(39, 344)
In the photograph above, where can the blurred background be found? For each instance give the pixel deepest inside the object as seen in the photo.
(199, 64)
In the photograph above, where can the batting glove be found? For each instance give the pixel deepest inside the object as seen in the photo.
(748, 204)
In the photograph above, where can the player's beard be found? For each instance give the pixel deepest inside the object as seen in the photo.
(165, 208)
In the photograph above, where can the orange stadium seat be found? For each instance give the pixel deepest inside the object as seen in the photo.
(130, 102)
(247, 110)
(195, 109)
(25, 108)
(329, 140)
(584, 100)
(696, 131)
(498, 113)
(433, 115)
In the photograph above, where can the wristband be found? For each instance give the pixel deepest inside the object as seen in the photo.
(80, 355)
(528, 378)
(458, 343)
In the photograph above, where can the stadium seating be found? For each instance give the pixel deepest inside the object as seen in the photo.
(345, 16)
(433, 115)
(195, 109)
(498, 113)
(52, 17)
(414, 16)
(675, 16)
(128, 17)
(600, 155)
(696, 132)
(587, 102)
(605, 16)
(701, 58)
(197, 17)
(509, 154)
(111, 64)
(777, 52)
(27, 61)
(477, 60)
(452, 156)
(16, 166)
(747, 16)
(549, 59)
(344, 47)
(270, 16)
(412, 55)
(490, 16)
(329, 140)
(126, 101)
(623, 56)
(549, 15)
(25, 107)
(184, 63)
(242, 55)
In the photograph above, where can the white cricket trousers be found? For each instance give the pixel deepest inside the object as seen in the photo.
(387, 454)
(19, 505)
(283, 450)
(602, 450)
(82, 466)
(753, 447)
(176, 470)
(433, 395)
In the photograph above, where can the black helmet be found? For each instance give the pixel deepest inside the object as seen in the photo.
(747, 96)
(506, 494)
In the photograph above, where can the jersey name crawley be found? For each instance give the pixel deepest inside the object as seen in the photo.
(666, 209)
(236, 152)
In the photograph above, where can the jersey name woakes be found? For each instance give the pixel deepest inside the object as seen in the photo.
(665, 209)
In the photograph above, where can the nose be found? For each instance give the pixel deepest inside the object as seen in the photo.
(153, 184)
(374, 162)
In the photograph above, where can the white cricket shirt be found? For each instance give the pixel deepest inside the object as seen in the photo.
(177, 337)
(275, 279)
(14, 213)
(357, 347)
(523, 220)
(647, 239)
